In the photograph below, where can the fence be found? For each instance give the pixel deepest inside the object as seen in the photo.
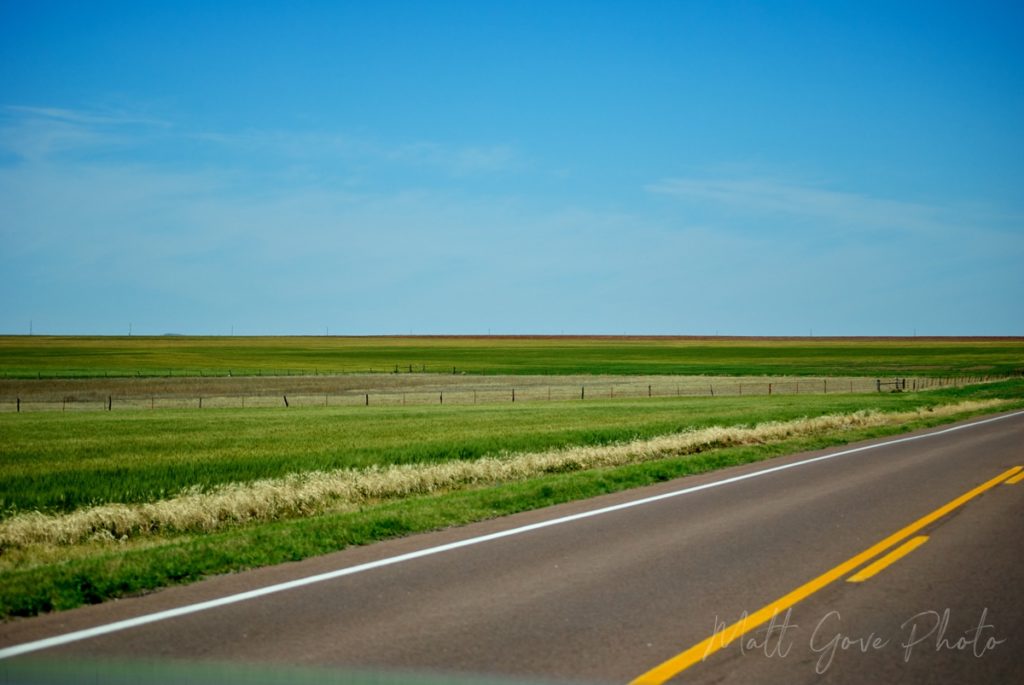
(467, 393)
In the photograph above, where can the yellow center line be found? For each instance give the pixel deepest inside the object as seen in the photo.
(889, 559)
(1016, 479)
(705, 648)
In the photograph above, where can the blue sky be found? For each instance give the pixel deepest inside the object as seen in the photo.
(741, 168)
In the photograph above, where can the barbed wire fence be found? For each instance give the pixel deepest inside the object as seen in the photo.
(468, 393)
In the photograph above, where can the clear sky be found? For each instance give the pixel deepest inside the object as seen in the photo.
(690, 167)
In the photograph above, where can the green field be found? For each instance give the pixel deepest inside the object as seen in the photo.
(39, 356)
(58, 462)
(97, 504)
(66, 465)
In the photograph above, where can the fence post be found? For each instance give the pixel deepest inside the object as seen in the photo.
(19, 405)
(285, 400)
(583, 391)
(878, 384)
(513, 395)
(368, 399)
(200, 402)
(110, 402)
(769, 388)
(441, 398)
(649, 391)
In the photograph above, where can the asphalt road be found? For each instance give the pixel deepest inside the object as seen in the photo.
(611, 596)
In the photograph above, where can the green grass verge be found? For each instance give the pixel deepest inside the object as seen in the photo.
(40, 356)
(55, 462)
(117, 571)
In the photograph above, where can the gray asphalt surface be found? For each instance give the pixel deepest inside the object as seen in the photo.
(604, 599)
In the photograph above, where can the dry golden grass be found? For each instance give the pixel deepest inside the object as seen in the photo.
(317, 492)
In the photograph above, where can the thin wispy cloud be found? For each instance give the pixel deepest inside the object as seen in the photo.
(101, 118)
(453, 159)
(289, 144)
(38, 134)
(240, 226)
(459, 160)
(765, 196)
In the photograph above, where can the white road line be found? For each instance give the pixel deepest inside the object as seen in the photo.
(117, 626)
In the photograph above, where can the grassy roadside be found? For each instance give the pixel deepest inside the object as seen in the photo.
(99, 571)
(58, 463)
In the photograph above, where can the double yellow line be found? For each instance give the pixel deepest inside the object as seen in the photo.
(700, 651)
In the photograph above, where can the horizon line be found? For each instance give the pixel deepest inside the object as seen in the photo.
(525, 336)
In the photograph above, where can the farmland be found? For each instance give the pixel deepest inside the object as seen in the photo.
(41, 356)
(98, 504)
(57, 462)
(362, 389)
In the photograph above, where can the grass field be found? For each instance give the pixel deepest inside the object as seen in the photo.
(97, 504)
(40, 356)
(363, 389)
(71, 467)
(57, 462)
